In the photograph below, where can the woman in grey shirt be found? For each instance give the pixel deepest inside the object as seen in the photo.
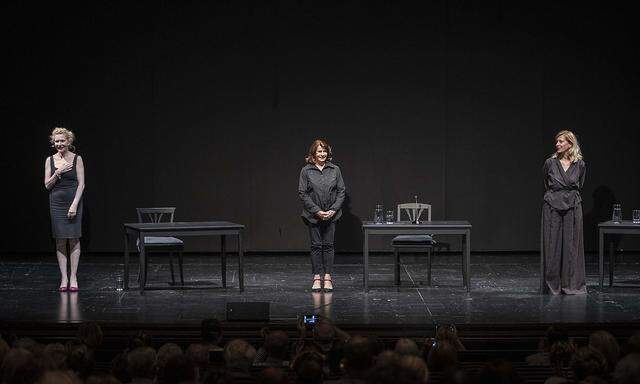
(322, 192)
(563, 242)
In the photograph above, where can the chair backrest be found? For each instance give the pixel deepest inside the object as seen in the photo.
(156, 215)
(414, 211)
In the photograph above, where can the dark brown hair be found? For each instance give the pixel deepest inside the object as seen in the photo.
(314, 147)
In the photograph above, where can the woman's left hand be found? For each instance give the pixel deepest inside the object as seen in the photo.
(330, 214)
(72, 212)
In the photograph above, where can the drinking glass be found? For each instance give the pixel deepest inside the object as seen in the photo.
(389, 217)
(616, 216)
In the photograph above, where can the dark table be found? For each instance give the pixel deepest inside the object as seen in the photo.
(181, 229)
(625, 227)
(462, 228)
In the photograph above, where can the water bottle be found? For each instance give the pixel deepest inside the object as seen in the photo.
(378, 216)
(616, 217)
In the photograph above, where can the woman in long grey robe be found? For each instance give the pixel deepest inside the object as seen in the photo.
(563, 241)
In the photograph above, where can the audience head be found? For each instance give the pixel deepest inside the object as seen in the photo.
(555, 333)
(90, 334)
(55, 357)
(633, 344)
(604, 342)
(166, 352)
(392, 368)
(628, 370)
(407, 347)
(80, 360)
(271, 375)
(276, 344)
(561, 353)
(198, 354)
(376, 344)
(594, 380)
(179, 369)
(19, 367)
(239, 354)
(59, 377)
(140, 339)
(449, 333)
(30, 345)
(324, 334)
(119, 368)
(308, 366)
(415, 367)
(498, 372)
(141, 363)
(588, 361)
(4, 349)
(442, 357)
(211, 331)
(387, 357)
(357, 356)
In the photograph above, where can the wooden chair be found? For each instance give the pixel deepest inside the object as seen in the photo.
(158, 244)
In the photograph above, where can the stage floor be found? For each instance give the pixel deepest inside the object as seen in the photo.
(504, 290)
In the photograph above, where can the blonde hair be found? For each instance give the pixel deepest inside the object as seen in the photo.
(311, 155)
(574, 153)
(62, 131)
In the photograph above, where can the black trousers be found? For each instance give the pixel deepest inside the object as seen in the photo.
(322, 252)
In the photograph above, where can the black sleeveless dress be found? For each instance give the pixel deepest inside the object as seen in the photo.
(60, 198)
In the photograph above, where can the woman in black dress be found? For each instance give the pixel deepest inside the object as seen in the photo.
(563, 241)
(64, 178)
(322, 192)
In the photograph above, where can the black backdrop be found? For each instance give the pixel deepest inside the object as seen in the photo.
(211, 108)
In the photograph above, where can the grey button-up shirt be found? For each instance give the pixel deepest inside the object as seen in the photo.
(321, 191)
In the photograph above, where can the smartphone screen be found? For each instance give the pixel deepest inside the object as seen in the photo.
(309, 320)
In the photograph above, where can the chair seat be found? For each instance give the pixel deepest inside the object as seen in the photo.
(148, 240)
(161, 241)
(413, 240)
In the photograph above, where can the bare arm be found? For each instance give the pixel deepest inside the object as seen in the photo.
(76, 200)
(50, 178)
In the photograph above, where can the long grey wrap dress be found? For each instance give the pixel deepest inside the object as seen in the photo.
(60, 199)
(562, 235)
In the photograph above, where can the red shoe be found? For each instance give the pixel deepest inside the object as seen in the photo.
(63, 289)
(73, 289)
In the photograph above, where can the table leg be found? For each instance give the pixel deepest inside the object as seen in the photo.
(612, 259)
(223, 259)
(126, 260)
(601, 256)
(467, 250)
(240, 262)
(143, 263)
(365, 261)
